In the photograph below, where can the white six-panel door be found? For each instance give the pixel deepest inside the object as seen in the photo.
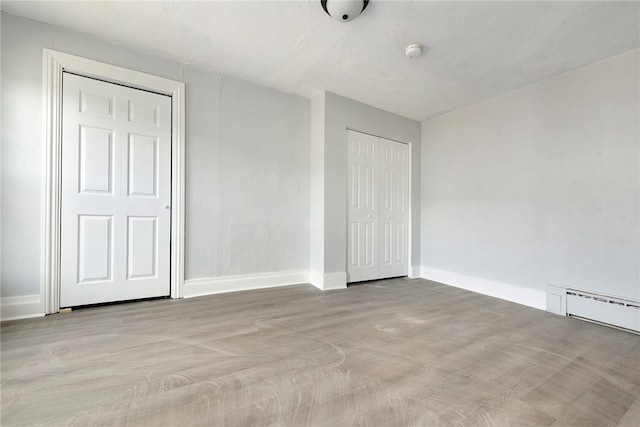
(378, 195)
(116, 192)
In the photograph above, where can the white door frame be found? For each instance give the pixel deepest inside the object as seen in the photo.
(54, 63)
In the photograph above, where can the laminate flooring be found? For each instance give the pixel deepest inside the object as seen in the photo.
(401, 352)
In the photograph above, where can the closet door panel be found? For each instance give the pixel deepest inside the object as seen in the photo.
(394, 212)
(363, 194)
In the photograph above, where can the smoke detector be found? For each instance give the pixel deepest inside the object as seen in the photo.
(413, 50)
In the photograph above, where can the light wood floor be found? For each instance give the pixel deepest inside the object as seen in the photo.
(391, 353)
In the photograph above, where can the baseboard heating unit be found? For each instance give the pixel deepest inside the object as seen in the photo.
(586, 305)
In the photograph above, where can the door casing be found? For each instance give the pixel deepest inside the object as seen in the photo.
(54, 63)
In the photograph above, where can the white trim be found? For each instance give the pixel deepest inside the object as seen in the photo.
(218, 285)
(377, 136)
(556, 300)
(414, 272)
(54, 63)
(315, 278)
(327, 282)
(334, 281)
(506, 291)
(22, 307)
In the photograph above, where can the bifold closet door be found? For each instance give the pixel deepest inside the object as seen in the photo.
(378, 191)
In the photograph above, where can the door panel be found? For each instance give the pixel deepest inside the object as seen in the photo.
(142, 113)
(377, 243)
(142, 237)
(102, 104)
(143, 165)
(116, 191)
(363, 186)
(369, 248)
(95, 248)
(96, 160)
(394, 214)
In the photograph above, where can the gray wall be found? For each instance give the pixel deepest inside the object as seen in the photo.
(539, 186)
(247, 167)
(316, 217)
(340, 113)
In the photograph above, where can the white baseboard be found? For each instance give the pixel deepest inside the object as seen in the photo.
(316, 279)
(557, 300)
(218, 285)
(525, 296)
(327, 282)
(22, 307)
(414, 272)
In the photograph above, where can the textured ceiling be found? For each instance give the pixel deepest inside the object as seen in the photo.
(473, 50)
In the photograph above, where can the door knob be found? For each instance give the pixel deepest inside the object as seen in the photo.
(368, 216)
(166, 206)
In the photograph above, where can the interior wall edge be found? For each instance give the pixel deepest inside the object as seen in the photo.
(506, 291)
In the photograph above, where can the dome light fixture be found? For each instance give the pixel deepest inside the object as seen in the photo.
(344, 10)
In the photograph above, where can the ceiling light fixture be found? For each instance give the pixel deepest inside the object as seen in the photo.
(413, 50)
(344, 10)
